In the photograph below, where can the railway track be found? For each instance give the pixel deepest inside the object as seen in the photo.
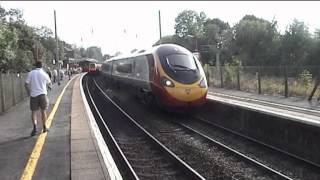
(256, 150)
(179, 137)
(139, 155)
(275, 173)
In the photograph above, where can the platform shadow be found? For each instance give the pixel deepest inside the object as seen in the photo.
(20, 139)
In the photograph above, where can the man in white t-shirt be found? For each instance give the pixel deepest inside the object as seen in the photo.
(36, 86)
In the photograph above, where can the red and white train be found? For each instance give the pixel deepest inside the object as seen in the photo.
(94, 68)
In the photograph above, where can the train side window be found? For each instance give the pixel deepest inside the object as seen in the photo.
(151, 60)
(124, 67)
(108, 67)
(115, 68)
(141, 67)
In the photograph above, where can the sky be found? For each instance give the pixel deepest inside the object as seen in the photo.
(126, 25)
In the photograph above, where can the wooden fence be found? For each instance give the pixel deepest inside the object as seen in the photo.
(12, 90)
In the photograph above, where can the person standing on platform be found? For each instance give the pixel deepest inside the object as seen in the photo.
(36, 86)
(55, 75)
(49, 72)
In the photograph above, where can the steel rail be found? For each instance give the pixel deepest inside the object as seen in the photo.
(233, 151)
(130, 173)
(257, 141)
(179, 162)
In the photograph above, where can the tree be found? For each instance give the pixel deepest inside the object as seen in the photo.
(214, 29)
(21, 45)
(216, 39)
(254, 38)
(189, 22)
(94, 53)
(295, 43)
(8, 47)
(170, 39)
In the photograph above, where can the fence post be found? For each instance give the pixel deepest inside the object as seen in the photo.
(21, 86)
(13, 91)
(285, 82)
(259, 80)
(2, 93)
(221, 78)
(208, 75)
(238, 77)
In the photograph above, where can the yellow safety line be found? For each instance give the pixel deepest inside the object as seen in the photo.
(35, 155)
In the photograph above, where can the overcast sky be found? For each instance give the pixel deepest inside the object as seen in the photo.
(123, 26)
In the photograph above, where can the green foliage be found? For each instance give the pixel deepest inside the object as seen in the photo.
(189, 22)
(94, 53)
(254, 41)
(305, 78)
(230, 74)
(295, 43)
(21, 45)
(255, 38)
(8, 47)
(166, 39)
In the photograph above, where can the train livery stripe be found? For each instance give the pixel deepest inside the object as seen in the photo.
(35, 154)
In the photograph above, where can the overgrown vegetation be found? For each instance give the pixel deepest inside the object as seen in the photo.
(252, 42)
(21, 45)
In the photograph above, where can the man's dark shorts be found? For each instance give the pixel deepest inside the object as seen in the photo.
(41, 101)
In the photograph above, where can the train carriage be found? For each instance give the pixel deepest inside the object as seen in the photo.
(168, 75)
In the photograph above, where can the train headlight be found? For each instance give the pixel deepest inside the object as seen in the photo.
(167, 82)
(203, 83)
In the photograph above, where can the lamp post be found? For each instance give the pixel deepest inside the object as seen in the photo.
(57, 48)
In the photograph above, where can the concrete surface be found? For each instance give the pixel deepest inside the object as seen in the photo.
(16, 143)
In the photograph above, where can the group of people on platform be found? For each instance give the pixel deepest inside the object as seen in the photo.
(53, 74)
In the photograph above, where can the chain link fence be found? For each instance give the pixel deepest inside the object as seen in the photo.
(12, 90)
(288, 81)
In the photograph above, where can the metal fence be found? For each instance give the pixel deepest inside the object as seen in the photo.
(12, 90)
(287, 81)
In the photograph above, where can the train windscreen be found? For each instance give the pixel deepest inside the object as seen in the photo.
(181, 67)
(181, 62)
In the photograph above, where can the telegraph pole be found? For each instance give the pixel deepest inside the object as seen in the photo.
(160, 26)
(57, 48)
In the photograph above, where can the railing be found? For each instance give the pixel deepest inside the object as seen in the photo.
(12, 90)
(287, 81)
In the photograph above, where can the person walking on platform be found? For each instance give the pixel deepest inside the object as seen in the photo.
(36, 86)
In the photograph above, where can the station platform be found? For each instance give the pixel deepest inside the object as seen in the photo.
(290, 101)
(296, 109)
(68, 151)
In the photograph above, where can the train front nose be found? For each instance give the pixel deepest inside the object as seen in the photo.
(187, 96)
